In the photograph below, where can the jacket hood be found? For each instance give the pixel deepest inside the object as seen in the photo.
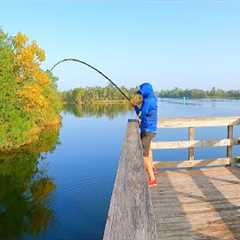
(146, 89)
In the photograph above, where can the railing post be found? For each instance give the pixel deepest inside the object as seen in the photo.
(191, 136)
(230, 147)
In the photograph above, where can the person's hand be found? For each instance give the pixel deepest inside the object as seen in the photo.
(133, 103)
(136, 100)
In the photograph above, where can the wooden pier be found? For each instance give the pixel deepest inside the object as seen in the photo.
(194, 199)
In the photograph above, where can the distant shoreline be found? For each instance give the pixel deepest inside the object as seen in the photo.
(213, 93)
(196, 98)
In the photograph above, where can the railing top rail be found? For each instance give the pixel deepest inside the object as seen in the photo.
(130, 215)
(198, 122)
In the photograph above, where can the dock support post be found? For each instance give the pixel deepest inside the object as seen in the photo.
(191, 136)
(230, 147)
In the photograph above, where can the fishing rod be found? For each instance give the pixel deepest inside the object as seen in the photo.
(101, 73)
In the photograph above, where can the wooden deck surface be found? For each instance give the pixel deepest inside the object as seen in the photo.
(197, 204)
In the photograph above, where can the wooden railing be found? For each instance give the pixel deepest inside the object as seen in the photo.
(191, 144)
(130, 215)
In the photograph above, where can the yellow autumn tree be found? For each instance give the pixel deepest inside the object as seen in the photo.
(29, 97)
(35, 84)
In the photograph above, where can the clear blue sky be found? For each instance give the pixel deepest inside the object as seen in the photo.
(189, 44)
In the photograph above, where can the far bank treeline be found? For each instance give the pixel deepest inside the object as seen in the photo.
(199, 93)
(108, 94)
(29, 100)
(97, 95)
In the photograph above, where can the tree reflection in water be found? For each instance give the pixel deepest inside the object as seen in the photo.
(98, 110)
(25, 188)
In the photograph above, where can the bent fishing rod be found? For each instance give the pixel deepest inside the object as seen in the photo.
(101, 73)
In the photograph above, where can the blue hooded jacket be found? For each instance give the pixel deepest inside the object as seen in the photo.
(148, 110)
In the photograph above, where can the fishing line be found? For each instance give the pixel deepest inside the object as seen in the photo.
(101, 73)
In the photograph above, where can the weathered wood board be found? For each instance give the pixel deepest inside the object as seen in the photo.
(198, 122)
(194, 143)
(194, 163)
(130, 214)
(198, 204)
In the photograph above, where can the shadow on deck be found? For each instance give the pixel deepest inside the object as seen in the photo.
(198, 204)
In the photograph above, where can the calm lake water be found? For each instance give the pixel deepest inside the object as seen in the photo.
(65, 193)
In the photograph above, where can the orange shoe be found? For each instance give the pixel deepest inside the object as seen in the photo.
(152, 183)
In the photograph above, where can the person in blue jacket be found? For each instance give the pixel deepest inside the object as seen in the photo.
(148, 126)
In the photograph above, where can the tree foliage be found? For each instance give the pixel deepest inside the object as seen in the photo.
(96, 94)
(28, 95)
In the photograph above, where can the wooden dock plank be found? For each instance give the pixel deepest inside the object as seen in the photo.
(198, 204)
(193, 163)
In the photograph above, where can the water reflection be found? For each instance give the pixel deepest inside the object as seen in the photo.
(25, 189)
(98, 110)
